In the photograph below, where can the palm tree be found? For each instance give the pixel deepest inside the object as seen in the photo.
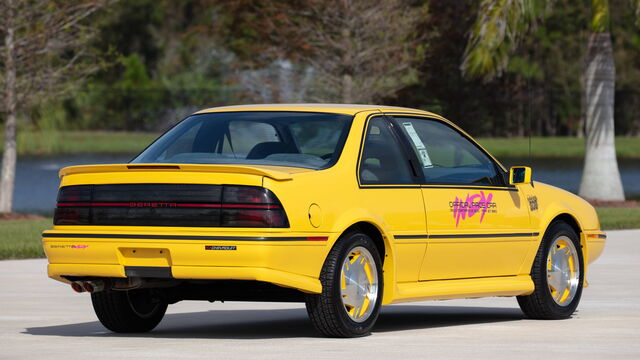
(495, 34)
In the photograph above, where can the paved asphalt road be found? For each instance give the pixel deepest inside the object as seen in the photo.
(44, 319)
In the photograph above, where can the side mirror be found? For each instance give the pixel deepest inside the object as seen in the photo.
(519, 175)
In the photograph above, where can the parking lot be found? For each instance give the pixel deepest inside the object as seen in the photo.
(41, 318)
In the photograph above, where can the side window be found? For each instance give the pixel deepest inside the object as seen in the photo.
(383, 161)
(446, 156)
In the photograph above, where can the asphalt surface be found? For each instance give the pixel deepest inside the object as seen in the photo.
(41, 318)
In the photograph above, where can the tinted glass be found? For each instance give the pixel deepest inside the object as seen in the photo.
(446, 156)
(383, 160)
(310, 140)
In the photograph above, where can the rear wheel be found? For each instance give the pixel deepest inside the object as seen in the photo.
(558, 275)
(128, 311)
(351, 288)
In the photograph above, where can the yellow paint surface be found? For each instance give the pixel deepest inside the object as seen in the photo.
(420, 262)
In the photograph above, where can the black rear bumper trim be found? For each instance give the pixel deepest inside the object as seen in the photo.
(160, 272)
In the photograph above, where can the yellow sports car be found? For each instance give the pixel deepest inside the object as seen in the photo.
(343, 207)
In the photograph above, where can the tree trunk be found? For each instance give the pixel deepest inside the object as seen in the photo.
(347, 89)
(583, 105)
(601, 177)
(8, 176)
(285, 81)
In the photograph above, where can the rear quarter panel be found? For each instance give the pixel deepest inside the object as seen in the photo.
(342, 203)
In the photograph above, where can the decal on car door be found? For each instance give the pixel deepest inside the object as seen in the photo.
(472, 205)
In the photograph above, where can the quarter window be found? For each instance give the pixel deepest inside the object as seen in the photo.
(446, 156)
(383, 160)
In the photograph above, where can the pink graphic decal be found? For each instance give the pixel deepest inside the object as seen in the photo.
(473, 204)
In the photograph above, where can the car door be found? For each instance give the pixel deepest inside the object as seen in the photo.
(478, 225)
(390, 190)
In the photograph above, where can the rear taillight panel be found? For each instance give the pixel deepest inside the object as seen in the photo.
(170, 205)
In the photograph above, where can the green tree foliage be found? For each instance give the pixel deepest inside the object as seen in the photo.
(167, 63)
(357, 51)
(171, 57)
(494, 37)
(540, 87)
(46, 51)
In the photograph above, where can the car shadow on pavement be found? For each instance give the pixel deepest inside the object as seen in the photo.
(287, 323)
(414, 317)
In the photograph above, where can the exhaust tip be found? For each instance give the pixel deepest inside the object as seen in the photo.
(88, 287)
(77, 287)
(93, 286)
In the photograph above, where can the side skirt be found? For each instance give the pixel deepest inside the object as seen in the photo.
(463, 288)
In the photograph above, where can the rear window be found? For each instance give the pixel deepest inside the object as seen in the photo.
(299, 139)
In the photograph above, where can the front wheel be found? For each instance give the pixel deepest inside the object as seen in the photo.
(129, 311)
(558, 275)
(351, 288)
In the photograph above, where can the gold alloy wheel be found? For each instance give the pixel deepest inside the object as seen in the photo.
(359, 284)
(563, 270)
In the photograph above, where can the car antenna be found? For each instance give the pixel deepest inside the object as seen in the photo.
(530, 112)
(530, 115)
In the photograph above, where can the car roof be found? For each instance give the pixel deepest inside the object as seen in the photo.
(349, 109)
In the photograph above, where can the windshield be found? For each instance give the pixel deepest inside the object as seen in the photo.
(300, 139)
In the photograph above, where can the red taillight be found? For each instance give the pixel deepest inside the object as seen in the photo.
(246, 195)
(169, 205)
(253, 218)
(248, 206)
(71, 216)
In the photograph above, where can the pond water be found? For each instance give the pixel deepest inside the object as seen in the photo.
(567, 173)
(37, 177)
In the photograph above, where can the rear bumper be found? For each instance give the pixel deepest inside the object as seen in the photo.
(289, 260)
(282, 278)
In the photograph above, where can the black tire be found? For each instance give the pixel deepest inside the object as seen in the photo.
(540, 304)
(326, 310)
(132, 311)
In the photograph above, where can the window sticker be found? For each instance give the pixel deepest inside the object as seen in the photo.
(422, 150)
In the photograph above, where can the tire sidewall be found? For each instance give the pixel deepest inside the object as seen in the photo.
(115, 312)
(350, 242)
(133, 296)
(556, 230)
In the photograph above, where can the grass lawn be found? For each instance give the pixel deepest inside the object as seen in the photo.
(20, 239)
(554, 147)
(80, 142)
(619, 217)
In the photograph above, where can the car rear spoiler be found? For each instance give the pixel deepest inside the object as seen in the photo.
(273, 172)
